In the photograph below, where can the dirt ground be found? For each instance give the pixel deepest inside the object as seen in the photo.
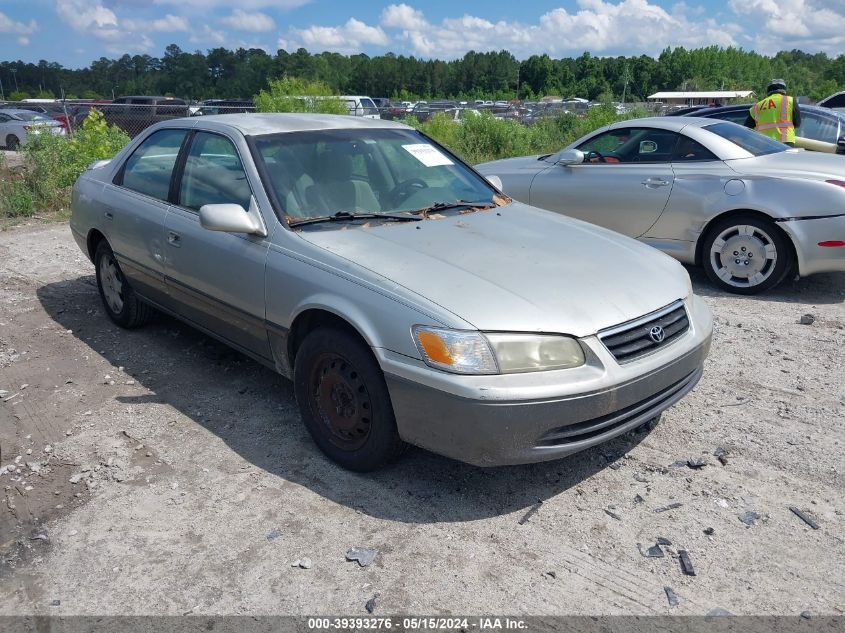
(158, 472)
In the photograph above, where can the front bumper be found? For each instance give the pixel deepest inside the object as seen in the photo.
(523, 418)
(806, 235)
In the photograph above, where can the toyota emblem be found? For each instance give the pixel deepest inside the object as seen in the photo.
(657, 334)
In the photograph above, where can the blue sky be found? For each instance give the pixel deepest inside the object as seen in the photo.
(75, 32)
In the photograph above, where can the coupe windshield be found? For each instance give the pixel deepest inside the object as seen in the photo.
(378, 171)
(749, 140)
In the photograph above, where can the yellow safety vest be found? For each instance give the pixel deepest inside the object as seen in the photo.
(773, 117)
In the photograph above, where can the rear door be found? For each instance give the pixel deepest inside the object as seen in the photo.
(134, 207)
(216, 278)
(623, 184)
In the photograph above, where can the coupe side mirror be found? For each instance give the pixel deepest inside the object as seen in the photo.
(840, 145)
(495, 181)
(232, 218)
(570, 157)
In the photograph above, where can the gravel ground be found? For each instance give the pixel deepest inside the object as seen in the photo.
(159, 472)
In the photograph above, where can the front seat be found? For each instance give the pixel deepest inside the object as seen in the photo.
(335, 189)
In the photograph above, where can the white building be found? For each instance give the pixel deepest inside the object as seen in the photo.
(700, 97)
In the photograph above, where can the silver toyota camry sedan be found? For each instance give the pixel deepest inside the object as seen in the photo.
(409, 300)
(748, 209)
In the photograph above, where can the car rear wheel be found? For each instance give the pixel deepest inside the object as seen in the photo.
(12, 142)
(344, 401)
(121, 303)
(746, 254)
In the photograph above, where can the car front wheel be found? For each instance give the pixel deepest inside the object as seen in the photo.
(12, 142)
(121, 303)
(344, 401)
(745, 254)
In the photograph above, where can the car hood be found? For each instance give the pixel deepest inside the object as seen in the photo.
(520, 162)
(801, 164)
(516, 268)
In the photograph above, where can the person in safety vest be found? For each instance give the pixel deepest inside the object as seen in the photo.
(776, 115)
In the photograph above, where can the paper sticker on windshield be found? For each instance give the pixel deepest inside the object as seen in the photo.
(427, 154)
(648, 147)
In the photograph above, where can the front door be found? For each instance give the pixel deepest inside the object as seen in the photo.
(623, 184)
(134, 209)
(216, 278)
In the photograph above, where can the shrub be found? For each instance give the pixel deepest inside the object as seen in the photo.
(291, 94)
(53, 163)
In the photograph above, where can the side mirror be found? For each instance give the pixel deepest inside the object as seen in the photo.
(840, 145)
(570, 157)
(495, 181)
(232, 218)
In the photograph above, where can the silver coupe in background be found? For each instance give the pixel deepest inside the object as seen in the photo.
(748, 209)
(407, 298)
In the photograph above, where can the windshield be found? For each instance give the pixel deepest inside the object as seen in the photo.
(32, 116)
(749, 140)
(315, 174)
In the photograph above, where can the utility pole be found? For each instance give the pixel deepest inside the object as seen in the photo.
(518, 64)
(625, 87)
(2, 94)
(15, 77)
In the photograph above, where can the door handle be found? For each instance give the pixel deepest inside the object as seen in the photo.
(109, 215)
(655, 182)
(174, 239)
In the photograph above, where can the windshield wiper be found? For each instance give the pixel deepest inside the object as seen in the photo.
(457, 204)
(346, 216)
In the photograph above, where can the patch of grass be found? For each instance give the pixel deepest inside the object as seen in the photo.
(51, 166)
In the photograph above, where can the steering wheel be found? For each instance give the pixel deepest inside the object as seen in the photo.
(404, 189)
(589, 156)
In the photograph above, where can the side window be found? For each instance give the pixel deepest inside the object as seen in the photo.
(4, 118)
(817, 128)
(150, 167)
(630, 145)
(688, 150)
(213, 174)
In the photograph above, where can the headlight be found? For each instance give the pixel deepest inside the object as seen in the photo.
(518, 353)
(464, 352)
(456, 351)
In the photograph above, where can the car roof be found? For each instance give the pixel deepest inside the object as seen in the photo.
(21, 111)
(254, 124)
(673, 123)
(745, 106)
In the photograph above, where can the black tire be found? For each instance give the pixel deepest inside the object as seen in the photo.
(132, 312)
(12, 143)
(358, 429)
(765, 238)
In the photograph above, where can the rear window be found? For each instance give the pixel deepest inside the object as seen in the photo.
(749, 140)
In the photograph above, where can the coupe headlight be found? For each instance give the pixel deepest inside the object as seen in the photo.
(464, 352)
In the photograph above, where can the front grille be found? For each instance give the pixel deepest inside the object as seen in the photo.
(634, 339)
(633, 415)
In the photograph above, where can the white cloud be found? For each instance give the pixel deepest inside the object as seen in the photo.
(23, 40)
(92, 18)
(788, 24)
(8, 25)
(256, 22)
(281, 5)
(348, 38)
(207, 35)
(168, 24)
(600, 26)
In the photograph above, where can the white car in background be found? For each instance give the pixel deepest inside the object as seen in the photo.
(361, 106)
(16, 126)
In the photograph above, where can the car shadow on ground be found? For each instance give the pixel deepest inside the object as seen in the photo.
(821, 289)
(253, 410)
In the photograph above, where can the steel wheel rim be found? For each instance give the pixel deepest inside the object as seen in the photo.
(743, 256)
(111, 281)
(341, 401)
